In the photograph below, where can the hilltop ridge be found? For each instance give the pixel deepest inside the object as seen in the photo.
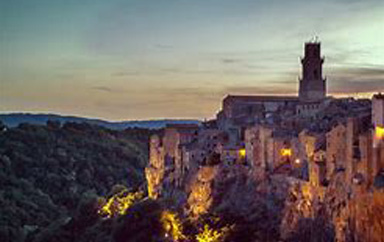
(14, 119)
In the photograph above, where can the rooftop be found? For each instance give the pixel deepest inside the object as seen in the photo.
(260, 98)
(378, 96)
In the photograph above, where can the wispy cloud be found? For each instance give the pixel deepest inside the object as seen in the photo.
(125, 73)
(348, 86)
(230, 60)
(266, 90)
(365, 72)
(358, 79)
(163, 46)
(103, 89)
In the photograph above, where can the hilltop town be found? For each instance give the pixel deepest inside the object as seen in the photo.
(313, 157)
(268, 168)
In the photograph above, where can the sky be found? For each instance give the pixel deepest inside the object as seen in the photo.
(151, 59)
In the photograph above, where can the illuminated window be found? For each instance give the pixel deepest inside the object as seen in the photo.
(242, 153)
(286, 152)
(379, 132)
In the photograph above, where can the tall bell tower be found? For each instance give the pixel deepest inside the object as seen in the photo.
(312, 86)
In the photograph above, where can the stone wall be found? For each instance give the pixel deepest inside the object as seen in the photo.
(336, 149)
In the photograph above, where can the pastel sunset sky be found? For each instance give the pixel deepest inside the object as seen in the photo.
(149, 59)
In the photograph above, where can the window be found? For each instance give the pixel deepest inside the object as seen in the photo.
(249, 109)
(315, 73)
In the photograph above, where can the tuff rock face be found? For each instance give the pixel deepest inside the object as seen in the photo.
(226, 191)
(290, 209)
(336, 213)
(357, 215)
(201, 196)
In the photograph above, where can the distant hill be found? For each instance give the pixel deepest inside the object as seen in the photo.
(14, 119)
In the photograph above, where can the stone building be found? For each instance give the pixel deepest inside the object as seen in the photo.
(336, 149)
(378, 110)
(378, 132)
(167, 159)
(333, 150)
(365, 168)
(309, 137)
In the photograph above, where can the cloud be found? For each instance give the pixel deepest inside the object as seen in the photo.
(351, 86)
(230, 60)
(164, 102)
(189, 93)
(375, 71)
(103, 89)
(214, 95)
(266, 90)
(163, 46)
(125, 73)
(359, 79)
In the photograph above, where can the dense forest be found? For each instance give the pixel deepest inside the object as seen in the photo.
(51, 175)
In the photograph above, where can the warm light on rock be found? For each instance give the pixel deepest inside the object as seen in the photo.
(172, 226)
(210, 235)
(119, 203)
(201, 197)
